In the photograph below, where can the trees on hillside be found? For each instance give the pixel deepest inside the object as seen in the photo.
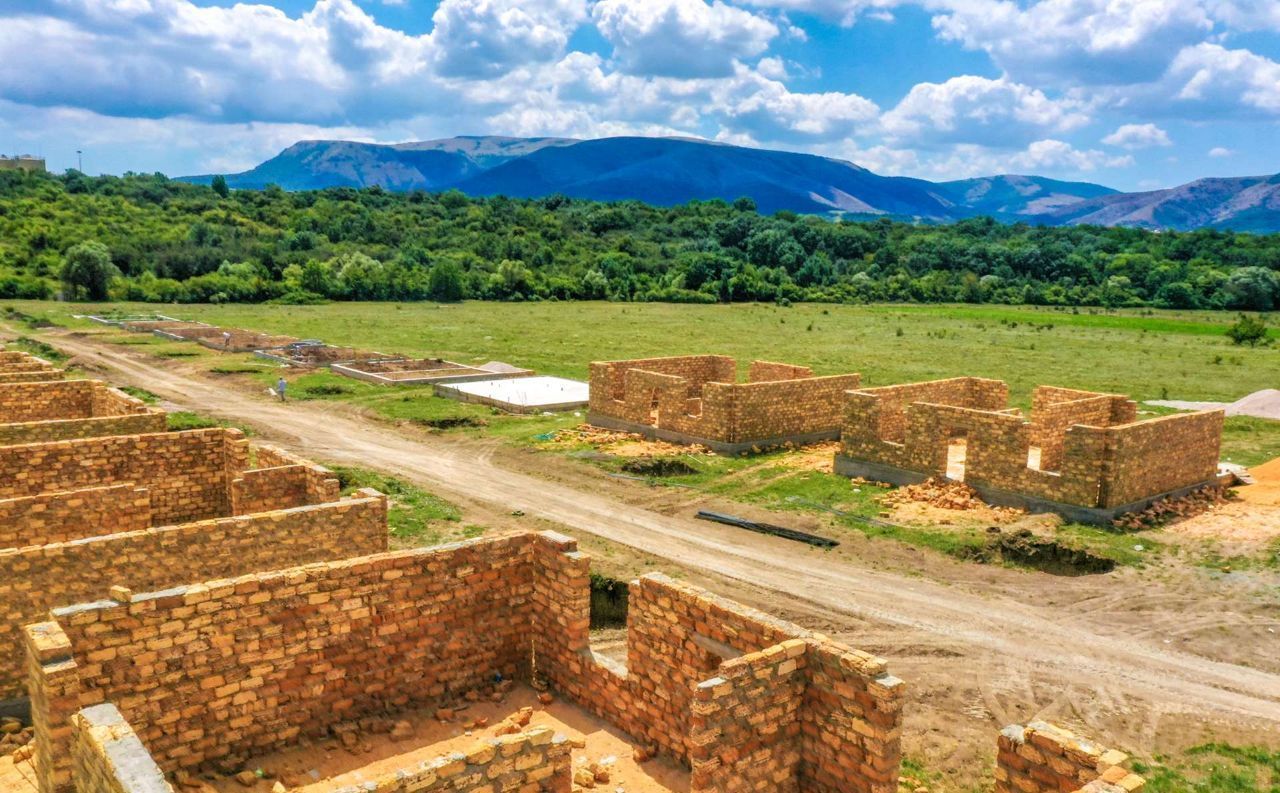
(87, 272)
(169, 240)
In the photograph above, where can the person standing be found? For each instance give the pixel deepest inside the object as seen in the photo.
(281, 385)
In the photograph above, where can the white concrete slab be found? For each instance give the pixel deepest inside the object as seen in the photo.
(521, 394)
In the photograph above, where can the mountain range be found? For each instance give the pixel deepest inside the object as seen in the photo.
(666, 171)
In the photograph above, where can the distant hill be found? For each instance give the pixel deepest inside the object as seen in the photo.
(1011, 196)
(1250, 203)
(666, 171)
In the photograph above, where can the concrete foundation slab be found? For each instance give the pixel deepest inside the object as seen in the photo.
(520, 394)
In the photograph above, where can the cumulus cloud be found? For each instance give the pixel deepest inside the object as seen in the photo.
(1049, 157)
(1248, 14)
(681, 38)
(485, 38)
(1076, 41)
(1209, 77)
(1218, 152)
(1138, 136)
(971, 109)
(845, 12)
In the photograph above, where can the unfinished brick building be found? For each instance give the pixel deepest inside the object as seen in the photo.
(171, 508)
(254, 663)
(66, 409)
(1081, 454)
(1042, 758)
(20, 367)
(697, 399)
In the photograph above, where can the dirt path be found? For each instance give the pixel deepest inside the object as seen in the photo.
(1014, 649)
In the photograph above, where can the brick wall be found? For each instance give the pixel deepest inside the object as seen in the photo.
(1055, 410)
(240, 340)
(699, 397)
(34, 376)
(107, 757)
(35, 579)
(279, 481)
(680, 637)
(1161, 454)
(1041, 758)
(761, 752)
(533, 760)
(69, 409)
(255, 662)
(73, 514)
(188, 473)
(1089, 456)
(766, 371)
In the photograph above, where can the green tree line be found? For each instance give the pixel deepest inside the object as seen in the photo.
(148, 238)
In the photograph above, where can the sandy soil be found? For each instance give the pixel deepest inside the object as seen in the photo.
(1246, 526)
(1147, 660)
(323, 766)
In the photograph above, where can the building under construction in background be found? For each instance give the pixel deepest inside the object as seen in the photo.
(22, 162)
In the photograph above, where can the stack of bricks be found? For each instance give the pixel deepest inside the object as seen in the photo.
(69, 409)
(1041, 758)
(697, 399)
(19, 367)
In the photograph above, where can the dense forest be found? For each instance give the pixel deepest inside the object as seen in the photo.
(148, 238)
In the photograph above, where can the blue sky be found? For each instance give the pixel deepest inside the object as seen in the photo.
(1136, 94)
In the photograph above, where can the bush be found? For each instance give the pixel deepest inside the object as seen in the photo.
(1248, 330)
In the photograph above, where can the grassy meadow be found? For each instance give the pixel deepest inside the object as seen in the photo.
(1146, 354)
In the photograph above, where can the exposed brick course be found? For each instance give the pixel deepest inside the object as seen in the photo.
(187, 473)
(697, 398)
(107, 756)
(1041, 758)
(72, 514)
(68, 409)
(249, 664)
(35, 579)
(1091, 452)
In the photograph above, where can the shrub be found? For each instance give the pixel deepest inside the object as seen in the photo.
(1248, 330)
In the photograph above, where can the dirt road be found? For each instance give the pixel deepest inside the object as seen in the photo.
(1069, 660)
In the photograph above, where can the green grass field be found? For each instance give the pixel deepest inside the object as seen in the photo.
(1149, 355)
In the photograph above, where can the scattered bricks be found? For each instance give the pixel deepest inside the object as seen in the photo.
(697, 399)
(1042, 758)
(64, 410)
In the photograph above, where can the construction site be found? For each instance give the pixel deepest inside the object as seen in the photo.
(198, 610)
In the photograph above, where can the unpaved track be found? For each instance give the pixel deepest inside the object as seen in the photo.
(1065, 646)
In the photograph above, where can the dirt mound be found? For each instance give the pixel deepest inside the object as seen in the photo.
(1046, 554)
(658, 466)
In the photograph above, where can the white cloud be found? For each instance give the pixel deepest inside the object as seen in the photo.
(1211, 78)
(1248, 14)
(845, 12)
(1047, 157)
(971, 109)
(1138, 136)
(1076, 41)
(767, 110)
(1219, 152)
(681, 38)
(485, 38)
